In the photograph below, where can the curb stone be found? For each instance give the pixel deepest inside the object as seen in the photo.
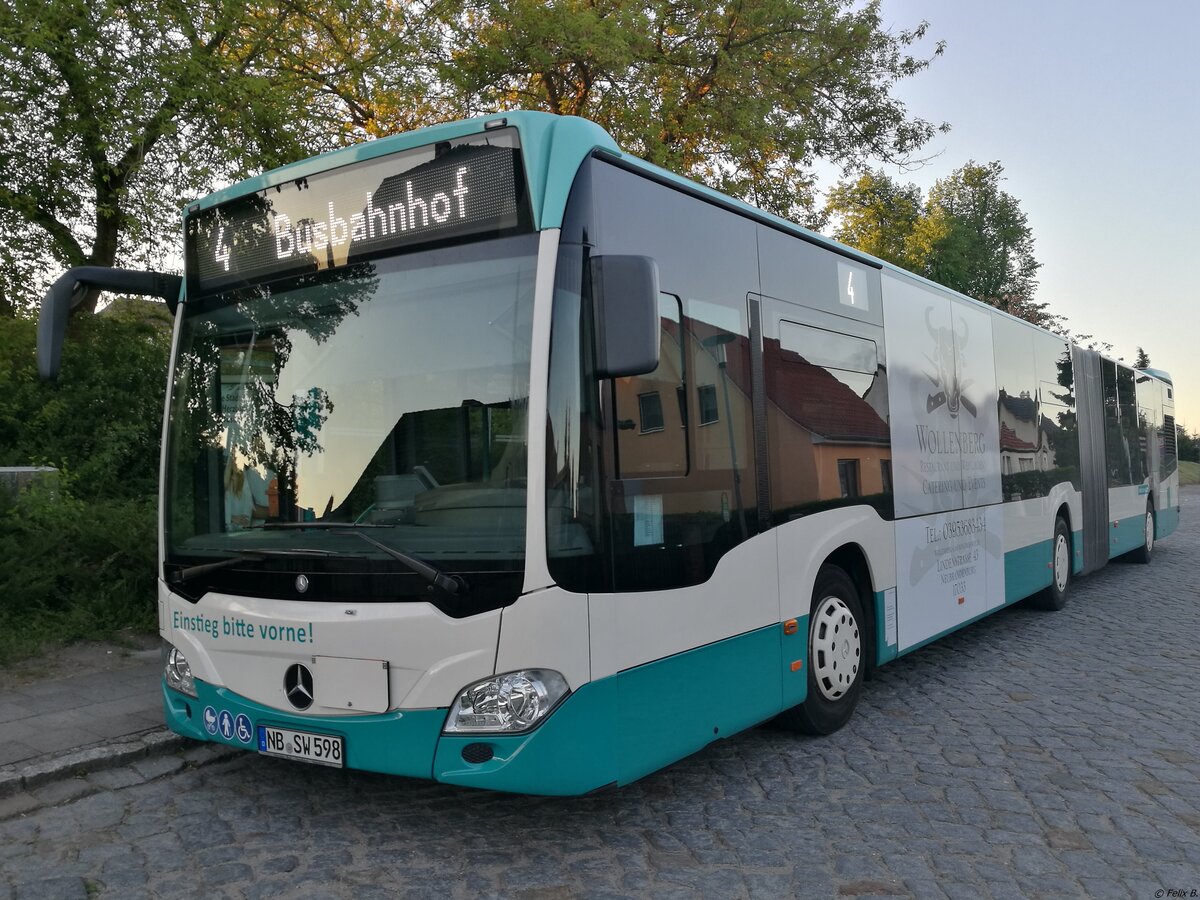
(22, 778)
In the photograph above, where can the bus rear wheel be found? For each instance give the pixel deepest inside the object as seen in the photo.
(1144, 553)
(1055, 596)
(837, 647)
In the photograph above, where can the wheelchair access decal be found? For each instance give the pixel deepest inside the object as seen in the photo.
(225, 724)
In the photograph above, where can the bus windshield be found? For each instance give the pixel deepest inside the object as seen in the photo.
(390, 393)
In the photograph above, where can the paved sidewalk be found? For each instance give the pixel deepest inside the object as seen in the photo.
(69, 717)
(81, 696)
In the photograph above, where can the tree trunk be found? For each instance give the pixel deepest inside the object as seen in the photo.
(104, 248)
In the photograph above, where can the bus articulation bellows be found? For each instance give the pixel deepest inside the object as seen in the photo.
(496, 456)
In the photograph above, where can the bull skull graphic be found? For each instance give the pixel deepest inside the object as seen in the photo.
(948, 360)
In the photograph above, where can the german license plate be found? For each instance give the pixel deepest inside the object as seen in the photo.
(322, 749)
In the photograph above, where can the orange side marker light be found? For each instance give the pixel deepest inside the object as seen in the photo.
(791, 626)
(798, 665)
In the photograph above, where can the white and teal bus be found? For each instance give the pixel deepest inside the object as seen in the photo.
(496, 456)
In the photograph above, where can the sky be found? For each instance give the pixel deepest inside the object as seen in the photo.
(1093, 110)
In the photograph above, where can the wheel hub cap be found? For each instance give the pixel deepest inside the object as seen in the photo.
(1061, 563)
(835, 648)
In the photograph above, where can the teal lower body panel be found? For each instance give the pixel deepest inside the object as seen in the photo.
(1166, 520)
(1028, 570)
(678, 705)
(574, 751)
(395, 743)
(1127, 534)
(621, 728)
(611, 731)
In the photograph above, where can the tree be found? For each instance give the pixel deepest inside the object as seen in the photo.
(1187, 446)
(879, 216)
(968, 234)
(1143, 359)
(985, 247)
(117, 112)
(114, 113)
(742, 96)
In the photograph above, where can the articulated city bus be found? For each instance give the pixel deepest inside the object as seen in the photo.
(496, 456)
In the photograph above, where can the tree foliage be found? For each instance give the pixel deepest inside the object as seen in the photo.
(985, 245)
(878, 215)
(114, 113)
(1143, 359)
(967, 234)
(1187, 444)
(117, 112)
(102, 420)
(80, 562)
(743, 96)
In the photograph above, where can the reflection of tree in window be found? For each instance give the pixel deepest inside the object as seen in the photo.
(706, 397)
(230, 369)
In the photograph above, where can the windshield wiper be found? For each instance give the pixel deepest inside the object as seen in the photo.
(316, 526)
(451, 584)
(179, 576)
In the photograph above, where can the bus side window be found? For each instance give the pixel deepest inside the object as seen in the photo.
(826, 421)
(1132, 436)
(1116, 447)
(686, 453)
(651, 410)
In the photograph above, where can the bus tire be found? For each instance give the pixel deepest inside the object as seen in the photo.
(1055, 596)
(1144, 553)
(837, 649)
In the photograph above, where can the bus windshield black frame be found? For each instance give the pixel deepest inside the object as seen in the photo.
(390, 393)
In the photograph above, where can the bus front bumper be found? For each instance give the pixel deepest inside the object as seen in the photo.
(560, 757)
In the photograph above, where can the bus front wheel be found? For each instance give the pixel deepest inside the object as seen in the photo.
(837, 648)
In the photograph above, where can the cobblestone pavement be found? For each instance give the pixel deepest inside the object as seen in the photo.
(1033, 754)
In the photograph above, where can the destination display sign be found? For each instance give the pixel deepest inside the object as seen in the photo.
(470, 187)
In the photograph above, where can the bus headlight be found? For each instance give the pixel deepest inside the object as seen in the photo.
(177, 671)
(506, 704)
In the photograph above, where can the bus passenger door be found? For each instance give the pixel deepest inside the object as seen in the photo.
(827, 440)
(694, 597)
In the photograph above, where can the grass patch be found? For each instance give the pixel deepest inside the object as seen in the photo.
(1189, 472)
(73, 571)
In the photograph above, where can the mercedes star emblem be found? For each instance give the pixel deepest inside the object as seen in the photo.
(298, 685)
(301, 583)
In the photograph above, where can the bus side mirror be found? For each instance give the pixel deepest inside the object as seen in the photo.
(63, 295)
(625, 300)
(70, 289)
